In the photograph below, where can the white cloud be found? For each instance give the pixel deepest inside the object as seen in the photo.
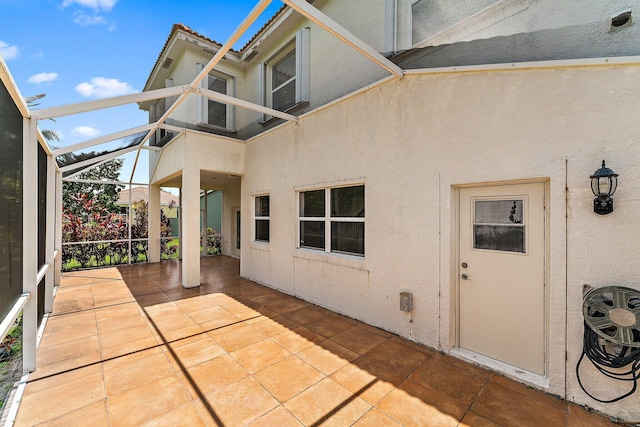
(42, 78)
(85, 131)
(102, 87)
(8, 52)
(96, 5)
(86, 20)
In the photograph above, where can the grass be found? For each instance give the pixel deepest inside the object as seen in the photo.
(11, 364)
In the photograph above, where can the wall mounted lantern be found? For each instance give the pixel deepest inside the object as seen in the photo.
(604, 182)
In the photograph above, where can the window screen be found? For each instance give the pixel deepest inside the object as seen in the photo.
(499, 225)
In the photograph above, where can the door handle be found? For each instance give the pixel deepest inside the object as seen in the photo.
(464, 277)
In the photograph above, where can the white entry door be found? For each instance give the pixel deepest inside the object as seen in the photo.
(502, 274)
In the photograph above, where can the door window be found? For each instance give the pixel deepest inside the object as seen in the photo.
(499, 225)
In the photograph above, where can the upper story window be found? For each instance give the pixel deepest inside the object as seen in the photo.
(213, 113)
(283, 82)
(332, 220)
(285, 76)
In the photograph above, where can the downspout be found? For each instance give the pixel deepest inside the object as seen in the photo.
(566, 273)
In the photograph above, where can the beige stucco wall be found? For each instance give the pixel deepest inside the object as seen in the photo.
(412, 142)
(469, 19)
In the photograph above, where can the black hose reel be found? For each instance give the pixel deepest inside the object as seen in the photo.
(612, 335)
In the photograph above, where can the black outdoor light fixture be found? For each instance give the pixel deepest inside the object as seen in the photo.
(604, 182)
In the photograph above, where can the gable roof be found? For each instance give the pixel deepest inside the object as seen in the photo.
(142, 193)
(178, 27)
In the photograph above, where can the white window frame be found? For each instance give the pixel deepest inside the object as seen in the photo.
(327, 219)
(203, 102)
(302, 51)
(257, 218)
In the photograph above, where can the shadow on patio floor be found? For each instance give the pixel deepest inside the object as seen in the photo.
(130, 346)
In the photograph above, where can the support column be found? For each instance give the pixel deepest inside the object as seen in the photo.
(51, 233)
(190, 220)
(154, 223)
(57, 270)
(30, 243)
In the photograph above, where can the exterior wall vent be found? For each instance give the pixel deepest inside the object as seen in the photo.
(621, 19)
(167, 63)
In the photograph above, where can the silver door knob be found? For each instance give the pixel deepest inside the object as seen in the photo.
(464, 277)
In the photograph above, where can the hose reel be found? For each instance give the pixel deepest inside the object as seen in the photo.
(612, 335)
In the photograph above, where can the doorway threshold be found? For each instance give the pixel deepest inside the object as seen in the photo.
(529, 378)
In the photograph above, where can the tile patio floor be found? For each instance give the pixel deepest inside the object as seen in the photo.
(130, 346)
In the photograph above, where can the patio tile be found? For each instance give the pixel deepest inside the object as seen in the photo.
(219, 324)
(122, 323)
(211, 313)
(134, 331)
(137, 369)
(471, 419)
(369, 380)
(413, 405)
(328, 403)
(61, 322)
(579, 417)
(207, 377)
(128, 347)
(107, 313)
(241, 402)
(65, 365)
(305, 315)
(298, 339)
(36, 385)
(140, 381)
(330, 326)
(152, 299)
(449, 380)
(327, 357)
(186, 415)
(69, 351)
(113, 299)
(257, 356)
(286, 306)
(397, 357)
(163, 310)
(375, 418)
(52, 402)
(271, 327)
(358, 339)
(148, 401)
(170, 323)
(237, 337)
(193, 304)
(193, 353)
(96, 412)
(70, 334)
(280, 417)
(505, 406)
(519, 388)
(461, 364)
(288, 377)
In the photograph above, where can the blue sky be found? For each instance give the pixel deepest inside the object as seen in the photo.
(82, 50)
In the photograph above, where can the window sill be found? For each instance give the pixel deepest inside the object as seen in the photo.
(214, 129)
(343, 260)
(297, 107)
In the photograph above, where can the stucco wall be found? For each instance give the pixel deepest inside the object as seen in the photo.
(412, 142)
(438, 22)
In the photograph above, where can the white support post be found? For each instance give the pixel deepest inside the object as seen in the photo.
(51, 216)
(57, 270)
(30, 243)
(190, 244)
(154, 223)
